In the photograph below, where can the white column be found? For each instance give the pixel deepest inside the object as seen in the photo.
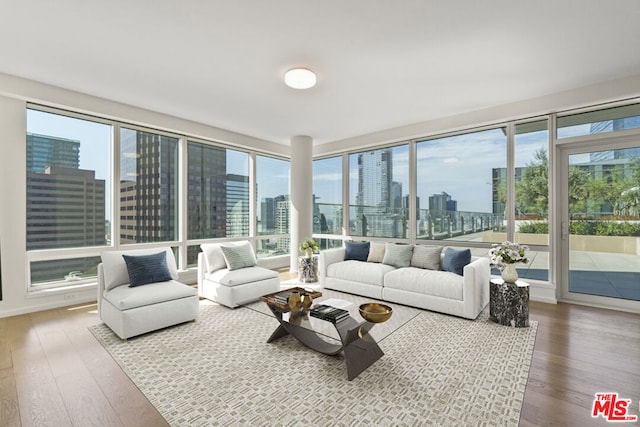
(301, 194)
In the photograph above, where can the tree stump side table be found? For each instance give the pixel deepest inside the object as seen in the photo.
(509, 303)
(308, 269)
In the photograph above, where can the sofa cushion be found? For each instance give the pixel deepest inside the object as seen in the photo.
(455, 260)
(425, 256)
(145, 269)
(397, 255)
(238, 256)
(376, 252)
(115, 268)
(125, 298)
(228, 277)
(213, 256)
(441, 284)
(356, 251)
(358, 271)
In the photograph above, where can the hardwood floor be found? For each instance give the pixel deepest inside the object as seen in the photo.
(54, 373)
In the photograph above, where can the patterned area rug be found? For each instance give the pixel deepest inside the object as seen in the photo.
(219, 371)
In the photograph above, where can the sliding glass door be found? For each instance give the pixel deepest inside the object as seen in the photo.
(600, 222)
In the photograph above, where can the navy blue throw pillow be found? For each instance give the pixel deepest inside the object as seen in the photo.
(454, 261)
(144, 269)
(357, 251)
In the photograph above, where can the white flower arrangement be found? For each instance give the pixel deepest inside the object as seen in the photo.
(508, 253)
(309, 247)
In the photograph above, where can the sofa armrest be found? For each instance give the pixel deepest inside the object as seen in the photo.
(202, 268)
(101, 285)
(328, 257)
(476, 277)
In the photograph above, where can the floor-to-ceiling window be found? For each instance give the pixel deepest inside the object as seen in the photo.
(327, 201)
(462, 186)
(68, 172)
(273, 206)
(217, 194)
(171, 191)
(531, 204)
(379, 193)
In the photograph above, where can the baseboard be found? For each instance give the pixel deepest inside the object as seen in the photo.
(47, 306)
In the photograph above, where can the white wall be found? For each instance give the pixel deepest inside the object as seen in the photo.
(14, 94)
(614, 90)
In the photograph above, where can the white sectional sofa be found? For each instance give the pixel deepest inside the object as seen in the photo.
(463, 295)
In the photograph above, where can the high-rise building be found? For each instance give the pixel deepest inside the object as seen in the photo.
(207, 192)
(217, 202)
(611, 126)
(267, 215)
(377, 195)
(148, 186)
(375, 172)
(237, 201)
(282, 215)
(65, 208)
(442, 202)
(44, 150)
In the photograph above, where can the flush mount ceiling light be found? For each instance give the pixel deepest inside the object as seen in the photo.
(300, 78)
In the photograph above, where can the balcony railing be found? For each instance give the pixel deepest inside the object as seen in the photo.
(380, 221)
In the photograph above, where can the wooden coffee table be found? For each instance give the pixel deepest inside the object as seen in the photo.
(359, 347)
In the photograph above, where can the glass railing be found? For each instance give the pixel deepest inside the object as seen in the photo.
(378, 221)
(443, 225)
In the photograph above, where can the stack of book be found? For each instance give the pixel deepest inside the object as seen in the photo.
(329, 313)
(283, 297)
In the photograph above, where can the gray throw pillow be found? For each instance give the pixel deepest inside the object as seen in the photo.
(397, 255)
(425, 256)
(239, 256)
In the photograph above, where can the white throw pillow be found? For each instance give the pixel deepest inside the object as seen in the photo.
(214, 260)
(376, 252)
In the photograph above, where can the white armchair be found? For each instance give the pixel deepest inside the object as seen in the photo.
(235, 279)
(133, 310)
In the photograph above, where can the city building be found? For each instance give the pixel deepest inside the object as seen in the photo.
(148, 186)
(611, 126)
(378, 198)
(44, 151)
(237, 205)
(442, 202)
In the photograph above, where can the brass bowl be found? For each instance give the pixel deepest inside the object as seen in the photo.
(375, 313)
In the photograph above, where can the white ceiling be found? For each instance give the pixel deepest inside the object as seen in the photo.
(380, 64)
